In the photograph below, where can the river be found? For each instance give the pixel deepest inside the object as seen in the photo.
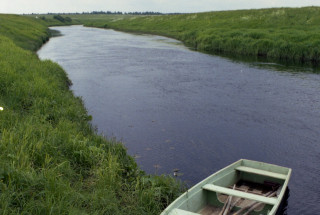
(176, 108)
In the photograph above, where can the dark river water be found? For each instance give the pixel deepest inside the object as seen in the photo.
(177, 108)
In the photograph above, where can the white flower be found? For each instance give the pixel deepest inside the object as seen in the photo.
(1, 108)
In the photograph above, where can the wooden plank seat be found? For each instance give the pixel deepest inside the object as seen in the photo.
(177, 211)
(237, 193)
(261, 172)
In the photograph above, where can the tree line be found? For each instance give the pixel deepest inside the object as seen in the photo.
(109, 12)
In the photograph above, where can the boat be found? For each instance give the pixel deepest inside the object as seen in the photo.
(245, 187)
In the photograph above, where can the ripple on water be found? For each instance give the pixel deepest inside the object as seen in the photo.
(179, 109)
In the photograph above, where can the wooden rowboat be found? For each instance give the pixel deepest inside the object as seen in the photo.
(244, 187)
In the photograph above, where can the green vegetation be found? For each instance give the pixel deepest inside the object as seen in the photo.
(286, 34)
(19, 31)
(51, 160)
(66, 20)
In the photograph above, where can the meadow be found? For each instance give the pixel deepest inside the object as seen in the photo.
(51, 159)
(276, 34)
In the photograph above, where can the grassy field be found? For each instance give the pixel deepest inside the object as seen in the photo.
(19, 31)
(286, 34)
(51, 160)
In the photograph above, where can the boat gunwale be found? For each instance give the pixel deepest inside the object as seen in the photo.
(280, 197)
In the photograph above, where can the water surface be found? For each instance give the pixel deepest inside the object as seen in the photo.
(176, 108)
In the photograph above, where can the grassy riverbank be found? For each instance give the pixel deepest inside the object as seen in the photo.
(51, 160)
(286, 34)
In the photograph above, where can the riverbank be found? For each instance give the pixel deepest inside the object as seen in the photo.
(285, 34)
(51, 159)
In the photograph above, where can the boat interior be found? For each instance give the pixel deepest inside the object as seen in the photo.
(216, 201)
(243, 190)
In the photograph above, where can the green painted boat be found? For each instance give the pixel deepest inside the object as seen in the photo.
(245, 187)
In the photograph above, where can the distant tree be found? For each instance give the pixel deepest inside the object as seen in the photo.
(68, 19)
(144, 13)
(59, 18)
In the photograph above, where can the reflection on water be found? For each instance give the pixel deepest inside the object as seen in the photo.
(282, 210)
(278, 65)
(179, 109)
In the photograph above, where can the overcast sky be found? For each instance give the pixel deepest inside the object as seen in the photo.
(165, 6)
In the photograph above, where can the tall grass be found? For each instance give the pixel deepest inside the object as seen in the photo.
(287, 34)
(51, 160)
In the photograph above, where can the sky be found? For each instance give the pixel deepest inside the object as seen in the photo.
(164, 6)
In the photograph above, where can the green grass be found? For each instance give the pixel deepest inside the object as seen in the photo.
(51, 159)
(19, 31)
(286, 34)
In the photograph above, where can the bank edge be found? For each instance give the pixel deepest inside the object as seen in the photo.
(52, 161)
